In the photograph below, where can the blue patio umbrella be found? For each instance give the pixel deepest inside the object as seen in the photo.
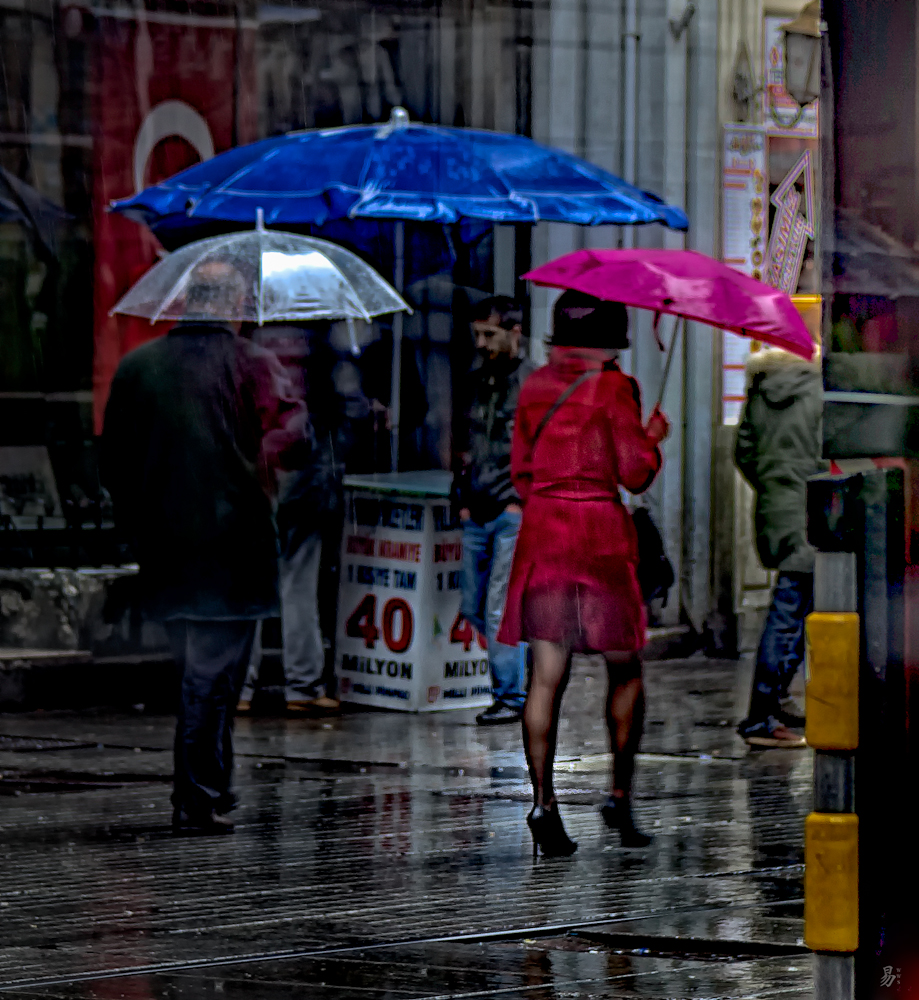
(398, 171)
(401, 171)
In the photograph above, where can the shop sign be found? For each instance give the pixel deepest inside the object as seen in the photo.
(745, 220)
(402, 642)
(793, 225)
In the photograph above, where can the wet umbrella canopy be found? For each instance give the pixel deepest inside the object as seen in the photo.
(683, 283)
(285, 278)
(41, 217)
(400, 170)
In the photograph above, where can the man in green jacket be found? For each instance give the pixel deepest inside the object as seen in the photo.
(778, 448)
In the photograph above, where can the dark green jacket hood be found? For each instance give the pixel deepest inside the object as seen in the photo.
(779, 445)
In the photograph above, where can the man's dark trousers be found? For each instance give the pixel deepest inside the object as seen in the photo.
(212, 656)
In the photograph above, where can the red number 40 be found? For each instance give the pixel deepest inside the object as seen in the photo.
(463, 632)
(361, 623)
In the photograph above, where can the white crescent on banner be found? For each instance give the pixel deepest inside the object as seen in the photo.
(167, 119)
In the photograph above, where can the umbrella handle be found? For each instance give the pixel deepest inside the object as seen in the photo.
(669, 361)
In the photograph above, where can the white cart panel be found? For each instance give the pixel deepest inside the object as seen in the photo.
(401, 642)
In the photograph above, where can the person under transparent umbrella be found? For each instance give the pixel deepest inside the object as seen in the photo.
(196, 424)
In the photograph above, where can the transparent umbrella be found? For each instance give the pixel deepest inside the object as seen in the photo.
(261, 276)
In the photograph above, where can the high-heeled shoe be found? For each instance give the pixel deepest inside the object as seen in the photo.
(549, 834)
(617, 814)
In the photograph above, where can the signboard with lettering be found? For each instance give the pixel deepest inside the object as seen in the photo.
(793, 226)
(745, 218)
(402, 643)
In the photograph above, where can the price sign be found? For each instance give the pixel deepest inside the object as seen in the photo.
(402, 642)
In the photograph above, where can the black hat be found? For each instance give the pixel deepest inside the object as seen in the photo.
(580, 320)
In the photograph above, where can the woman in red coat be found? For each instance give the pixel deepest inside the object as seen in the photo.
(573, 584)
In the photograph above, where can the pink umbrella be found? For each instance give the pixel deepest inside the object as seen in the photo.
(687, 284)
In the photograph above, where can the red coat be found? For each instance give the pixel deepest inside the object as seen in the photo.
(573, 580)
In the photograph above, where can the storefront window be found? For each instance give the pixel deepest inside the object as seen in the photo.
(98, 102)
(873, 328)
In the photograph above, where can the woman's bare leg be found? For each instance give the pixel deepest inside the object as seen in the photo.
(551, 669)
(625, 716)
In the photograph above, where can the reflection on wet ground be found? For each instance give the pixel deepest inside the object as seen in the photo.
(381, 855)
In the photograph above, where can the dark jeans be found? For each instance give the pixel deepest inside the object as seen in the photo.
(212, 657)
(781, 648)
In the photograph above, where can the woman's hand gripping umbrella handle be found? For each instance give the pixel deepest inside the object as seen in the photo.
(658, 426)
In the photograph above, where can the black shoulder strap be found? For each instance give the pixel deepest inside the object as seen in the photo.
(553, 409)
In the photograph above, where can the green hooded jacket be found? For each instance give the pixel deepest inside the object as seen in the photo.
(779, 444)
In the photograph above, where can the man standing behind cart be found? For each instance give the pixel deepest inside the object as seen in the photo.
(310, 509)
(488, 504)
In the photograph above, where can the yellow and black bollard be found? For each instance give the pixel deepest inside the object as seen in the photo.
(831, 912)
(831, 831)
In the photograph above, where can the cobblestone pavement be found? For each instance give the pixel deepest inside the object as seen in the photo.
(380, 855)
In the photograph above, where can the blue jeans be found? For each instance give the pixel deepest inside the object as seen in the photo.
(781, 648)
(488, 552)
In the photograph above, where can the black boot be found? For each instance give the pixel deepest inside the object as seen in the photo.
(617, 814)
(549, 834)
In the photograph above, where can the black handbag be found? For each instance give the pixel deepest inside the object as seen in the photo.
(654, 571)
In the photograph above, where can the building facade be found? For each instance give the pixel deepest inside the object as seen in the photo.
(763, 144)
(98, 101)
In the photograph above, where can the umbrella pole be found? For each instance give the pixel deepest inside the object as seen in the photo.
(395, 397)
(670, 353)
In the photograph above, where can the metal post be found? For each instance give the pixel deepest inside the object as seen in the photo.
(523, 261)
(630, 40)
(834, 976)
(395, 398)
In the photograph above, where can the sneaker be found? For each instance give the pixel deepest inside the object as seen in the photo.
(243, 707)
(499, 713)
(773, 734)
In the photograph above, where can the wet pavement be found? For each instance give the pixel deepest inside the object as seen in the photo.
(382, 855)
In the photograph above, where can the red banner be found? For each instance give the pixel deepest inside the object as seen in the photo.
(164, 100)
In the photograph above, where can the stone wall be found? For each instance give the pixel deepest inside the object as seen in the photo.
(92, 610)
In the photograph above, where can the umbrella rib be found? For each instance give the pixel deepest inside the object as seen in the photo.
(316, 244)
(365, 316)
(224, 186)
(172, 291)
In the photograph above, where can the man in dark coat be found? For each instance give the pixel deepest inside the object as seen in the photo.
(194, 425)
(488, 504)
(778, 448)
